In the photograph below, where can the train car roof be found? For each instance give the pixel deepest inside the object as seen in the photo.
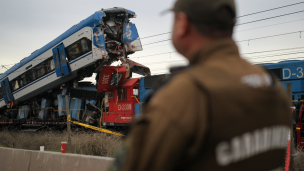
(91, 21)
(282, 64)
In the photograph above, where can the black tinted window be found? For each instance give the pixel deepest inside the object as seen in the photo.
(50, 65)
(23, 80)
(78, 48)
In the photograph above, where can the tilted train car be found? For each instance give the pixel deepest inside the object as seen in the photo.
(292, 72)
(38, 83)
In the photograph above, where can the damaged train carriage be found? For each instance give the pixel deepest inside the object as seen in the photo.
(32, 91)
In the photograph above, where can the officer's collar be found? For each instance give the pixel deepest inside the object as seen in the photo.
(175, 70)
(221, 46)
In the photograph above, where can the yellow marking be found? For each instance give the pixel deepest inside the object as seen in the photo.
(94, 128)
(298, 128)
(135, 98)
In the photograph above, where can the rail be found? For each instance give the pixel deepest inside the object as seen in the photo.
(78, 123)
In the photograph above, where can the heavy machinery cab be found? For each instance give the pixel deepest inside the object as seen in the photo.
(121, 95)
(122, 104)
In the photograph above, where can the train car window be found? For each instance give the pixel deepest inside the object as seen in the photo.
(84, 45)
(73, 52)
(50, 65)
(1, 95)
(121, 94)
(62, 57)
(15, 85)
(23, 80)
(56, 60)
(78, 48)
(110, 95)
(135, 91)
(40, 69)
(32, 75)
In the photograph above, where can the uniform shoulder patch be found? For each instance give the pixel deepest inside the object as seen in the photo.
(257, 80)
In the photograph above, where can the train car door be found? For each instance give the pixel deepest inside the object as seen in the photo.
(61, 65)
(64, 64)
(6, 91)
(58, 68)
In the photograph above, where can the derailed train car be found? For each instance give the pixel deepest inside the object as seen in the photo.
(33, 91)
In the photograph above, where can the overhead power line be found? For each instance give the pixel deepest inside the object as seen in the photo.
(269, 25)
(270, 9)
(269, 18)
(155, 35)
(272, 36)
(243, 40)
(241, 54)
(156, 42)
(247, 15)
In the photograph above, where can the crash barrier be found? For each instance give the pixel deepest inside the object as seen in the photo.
(26, 160)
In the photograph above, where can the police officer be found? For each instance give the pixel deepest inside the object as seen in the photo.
(219, 114)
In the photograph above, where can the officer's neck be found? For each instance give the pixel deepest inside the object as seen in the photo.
(195, 45)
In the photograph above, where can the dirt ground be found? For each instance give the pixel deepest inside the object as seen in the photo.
(97, 144)
(297, 160)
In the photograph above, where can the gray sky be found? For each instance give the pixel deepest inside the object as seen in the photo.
(29, 25)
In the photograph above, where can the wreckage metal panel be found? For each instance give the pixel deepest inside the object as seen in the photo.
(43, 113)
(62, 104)
(99, 39)
(91, 21)
(86, 88)
(131, 38)
(23, 112)
(130, 33)
(92, 102)
(131, 13)
(75, 107)
(129, 83)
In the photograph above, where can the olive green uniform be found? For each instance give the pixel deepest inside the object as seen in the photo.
(222, 113)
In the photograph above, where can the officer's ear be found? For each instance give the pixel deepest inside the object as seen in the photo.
(181, 25)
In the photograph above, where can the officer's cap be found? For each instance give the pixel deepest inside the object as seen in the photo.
(205, 11)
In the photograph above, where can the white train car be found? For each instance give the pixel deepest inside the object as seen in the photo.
(102, 38)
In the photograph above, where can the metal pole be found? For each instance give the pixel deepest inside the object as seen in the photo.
(289, 91)
(68, 122)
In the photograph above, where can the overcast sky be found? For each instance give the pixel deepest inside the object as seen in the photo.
(29, 25)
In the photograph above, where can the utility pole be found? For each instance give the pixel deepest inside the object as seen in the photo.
(68, 122)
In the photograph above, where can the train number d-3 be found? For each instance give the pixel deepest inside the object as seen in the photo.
(287, 73)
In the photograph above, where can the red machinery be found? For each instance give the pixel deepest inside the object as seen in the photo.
(299, 131)
(121, 98)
